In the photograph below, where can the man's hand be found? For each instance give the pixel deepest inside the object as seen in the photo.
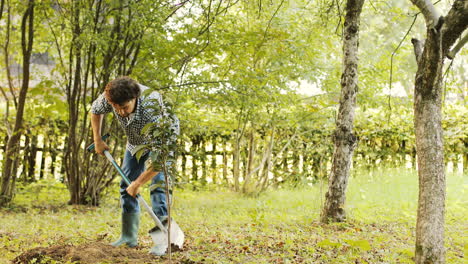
(145, 177)
(100, 146)
(133, 189)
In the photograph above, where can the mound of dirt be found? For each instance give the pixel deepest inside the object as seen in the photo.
(89, 253)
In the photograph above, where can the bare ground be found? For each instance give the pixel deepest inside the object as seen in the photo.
(91, 253)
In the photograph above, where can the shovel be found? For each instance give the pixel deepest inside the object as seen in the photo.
(159, 232)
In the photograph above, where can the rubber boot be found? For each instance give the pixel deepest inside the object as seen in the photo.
(130, 224)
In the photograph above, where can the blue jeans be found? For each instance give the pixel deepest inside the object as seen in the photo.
(133, 168)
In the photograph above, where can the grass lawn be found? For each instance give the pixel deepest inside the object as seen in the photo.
(279, 226)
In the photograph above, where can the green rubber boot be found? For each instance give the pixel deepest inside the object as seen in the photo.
(130, 224)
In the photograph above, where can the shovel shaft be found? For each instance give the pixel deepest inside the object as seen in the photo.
(116, 166)
(91, 146)
(151, 213)
(139, 197)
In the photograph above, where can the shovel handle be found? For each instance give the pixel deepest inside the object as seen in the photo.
(128, 182)
(91, 146)
(139, 197)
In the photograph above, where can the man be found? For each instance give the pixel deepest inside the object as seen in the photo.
(123, 96)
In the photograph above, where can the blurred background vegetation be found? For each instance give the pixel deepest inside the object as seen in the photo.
(256, 86)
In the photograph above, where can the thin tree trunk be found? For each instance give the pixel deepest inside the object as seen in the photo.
(2, 5)
(194, 151)
(225, 163)
(344, 139)
(6, 50)
(213, 162)
(71, 153)
(45, 150)
(268, 163)
(9, 168)
(236, 164)
(184, 166)
(53, 164)
(465, 157)
(250, 163)
(31, 161)
(203, 161)
(441, 35)
(430, 158)
(8, 74)
(244, 164)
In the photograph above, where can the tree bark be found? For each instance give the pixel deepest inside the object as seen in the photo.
(30, 157)
(225, 162)
(428, 94)
(213, 162)
(236, 164)
(72, 161)
(202, 149)
(12, 149)
(194, 150)
(183, 166)
(344, 139)
(430, 154)
(250, 163)
(90, 66)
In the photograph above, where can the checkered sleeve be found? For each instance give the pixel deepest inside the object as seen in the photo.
(101, 106)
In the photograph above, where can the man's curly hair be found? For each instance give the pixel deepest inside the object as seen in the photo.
(121, 90)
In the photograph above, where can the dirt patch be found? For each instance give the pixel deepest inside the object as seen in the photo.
(89, 253)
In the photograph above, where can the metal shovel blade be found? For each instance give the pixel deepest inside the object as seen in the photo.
(160, 238)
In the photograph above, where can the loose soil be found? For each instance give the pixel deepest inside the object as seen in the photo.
(91, 253)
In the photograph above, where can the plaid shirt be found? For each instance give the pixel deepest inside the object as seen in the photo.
(134, 123)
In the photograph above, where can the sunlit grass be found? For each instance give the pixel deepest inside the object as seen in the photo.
(227, 227)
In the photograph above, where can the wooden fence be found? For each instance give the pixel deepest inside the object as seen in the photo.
(211, 161)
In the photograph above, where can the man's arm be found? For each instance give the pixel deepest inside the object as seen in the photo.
(145, 177)
(99, 107)
(96, 124)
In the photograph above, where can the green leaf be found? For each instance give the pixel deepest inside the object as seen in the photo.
(359, 244)
(328, 243)
(406, 252)
(154, 156)
(145, 130)
(139, 150)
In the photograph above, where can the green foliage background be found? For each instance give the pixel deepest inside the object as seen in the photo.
(242, 70)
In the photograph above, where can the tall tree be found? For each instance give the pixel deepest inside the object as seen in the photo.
(8, 179)
(441, 34)
(104, 41)
(6, 59)
(91, 64)
(344, 139)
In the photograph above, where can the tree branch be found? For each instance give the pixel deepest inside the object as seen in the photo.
(4, 94)
(455, 24)
(340, 15)
(2, 4)
(418, 48)
(6, 51)
(430, 13)
(176, 8)
(391, 65)
(457, 47)
(269, 22)
(191, 83)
